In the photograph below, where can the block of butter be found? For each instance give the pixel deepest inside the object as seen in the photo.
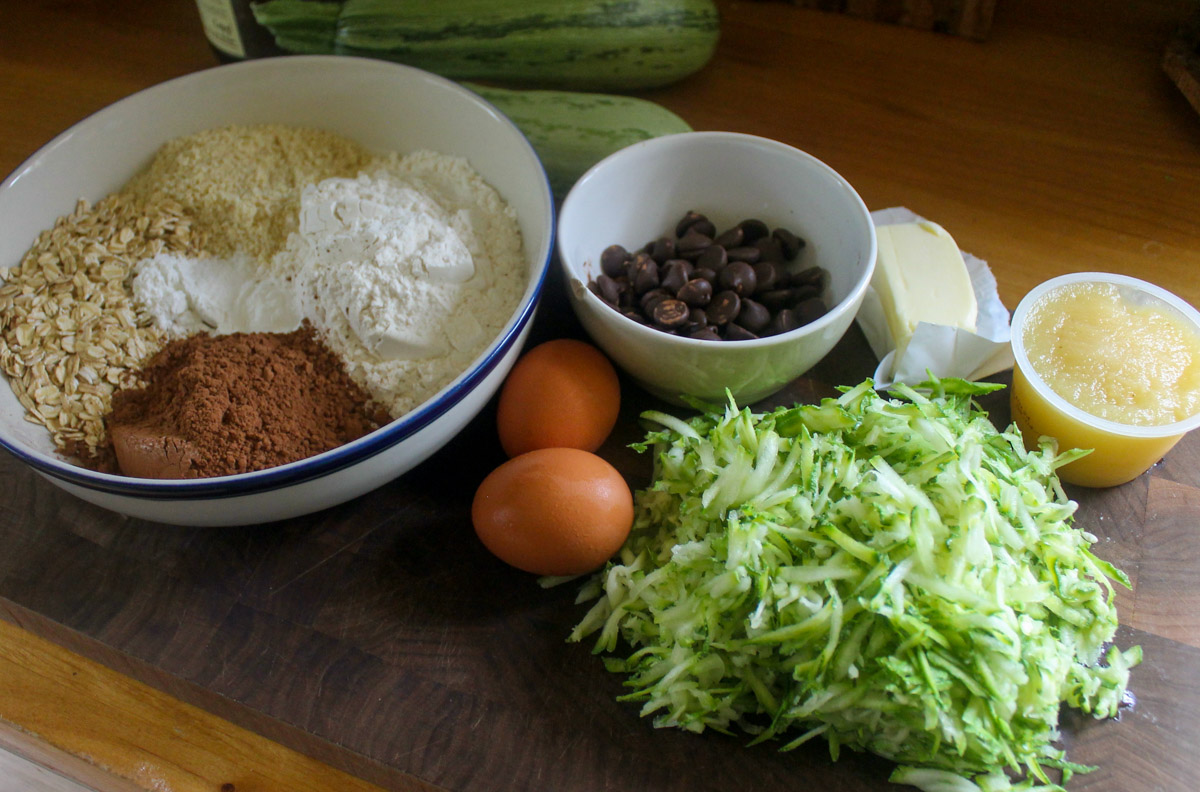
(920, 276)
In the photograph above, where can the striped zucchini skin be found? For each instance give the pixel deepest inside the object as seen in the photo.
(572, 131)
(591, 45)
(300, 26)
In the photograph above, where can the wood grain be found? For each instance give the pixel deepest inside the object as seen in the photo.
(25, 762)
(970, 18)
(1181, 60)
(138, 738)
(379, 637)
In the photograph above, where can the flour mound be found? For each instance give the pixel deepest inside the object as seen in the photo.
(186, 295)
(408, 270)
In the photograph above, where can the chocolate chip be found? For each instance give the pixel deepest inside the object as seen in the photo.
(766, 275)
(806, 277)
(648, 300)
(663, 249)
(723, 307)
(753, 230)
(788, 242)
(636, 316)
(687, 221)
(770, 249)
(695, 221)
(645, 274)
(697, 292)
(814, 280)
(703, 273)
(674, 274)
(731, 238)
(705, 227)
(735, 332)
(612, 260)
(738, 277)
(713, 258)
(778, 299)
(697, 320)
(637, 258)
(692, 244)
(782, 322)
(753, 316)
(706, 334)
(626, 297)
(805, 292)
(670, 313)
(748, 254)
(609, 289)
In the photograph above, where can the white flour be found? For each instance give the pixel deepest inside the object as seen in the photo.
(408, 271)
(372, 257)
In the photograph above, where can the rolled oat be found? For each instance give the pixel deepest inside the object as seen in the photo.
(69, 330)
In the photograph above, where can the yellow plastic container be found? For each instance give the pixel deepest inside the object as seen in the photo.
(1120, 452)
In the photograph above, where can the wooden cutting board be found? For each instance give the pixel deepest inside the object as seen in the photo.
(380, 637)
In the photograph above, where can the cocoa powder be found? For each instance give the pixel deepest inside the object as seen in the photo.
(227, 404)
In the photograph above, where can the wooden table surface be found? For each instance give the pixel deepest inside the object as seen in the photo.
(359, 646)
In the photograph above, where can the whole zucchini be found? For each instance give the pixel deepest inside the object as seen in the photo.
(598, 45)
(302, 27)
(572, 131)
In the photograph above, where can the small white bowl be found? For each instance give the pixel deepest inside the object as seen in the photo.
(383, 106)
(640, 192)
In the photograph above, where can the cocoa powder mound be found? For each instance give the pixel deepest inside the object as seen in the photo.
(227, 404)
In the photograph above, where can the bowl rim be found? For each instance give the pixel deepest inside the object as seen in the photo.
(1021, 358)
(348, 454)
(641, 331)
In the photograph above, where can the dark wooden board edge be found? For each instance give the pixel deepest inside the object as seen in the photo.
(1120, 763)
(337, 756)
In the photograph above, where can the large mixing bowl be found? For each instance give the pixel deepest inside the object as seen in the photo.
(383, 106)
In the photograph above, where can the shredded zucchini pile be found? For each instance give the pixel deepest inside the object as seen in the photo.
(892, 574)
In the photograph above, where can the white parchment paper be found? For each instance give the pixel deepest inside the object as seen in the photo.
(945, 351)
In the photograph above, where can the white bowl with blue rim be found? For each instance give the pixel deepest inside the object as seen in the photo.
(383, 106)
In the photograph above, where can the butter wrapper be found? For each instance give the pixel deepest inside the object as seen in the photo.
(945, 351)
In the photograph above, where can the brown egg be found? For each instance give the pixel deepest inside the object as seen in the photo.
(560, 394)
(553, 511)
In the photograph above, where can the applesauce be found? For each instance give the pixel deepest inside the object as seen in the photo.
(1109, 364)
(1113, 355)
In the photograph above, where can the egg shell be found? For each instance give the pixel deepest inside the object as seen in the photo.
(561, 394)
(553, 511)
